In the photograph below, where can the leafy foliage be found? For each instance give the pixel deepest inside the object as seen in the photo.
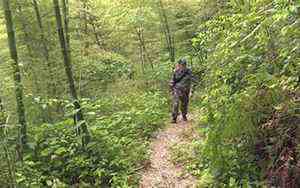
(251, 62)
(118, 147)
(96, 72)
(246, 54)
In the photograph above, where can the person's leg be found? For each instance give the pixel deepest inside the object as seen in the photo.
(175, 108)
(185, 105)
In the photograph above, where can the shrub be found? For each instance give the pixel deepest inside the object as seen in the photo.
(119, 144)
(251, 65)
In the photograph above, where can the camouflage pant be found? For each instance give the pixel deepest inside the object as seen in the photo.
(180, 96)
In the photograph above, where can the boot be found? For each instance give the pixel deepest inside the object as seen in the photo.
(174, 120)
(184, 118)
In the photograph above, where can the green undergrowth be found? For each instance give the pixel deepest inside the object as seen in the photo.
(120, 128)
(250, 95)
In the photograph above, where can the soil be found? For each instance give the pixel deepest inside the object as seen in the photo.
(161, 171)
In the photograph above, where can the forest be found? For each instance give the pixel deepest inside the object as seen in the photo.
(85, 98)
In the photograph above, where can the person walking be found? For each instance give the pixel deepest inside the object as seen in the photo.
(180, 86)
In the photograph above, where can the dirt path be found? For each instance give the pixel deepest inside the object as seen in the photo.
(162, 173)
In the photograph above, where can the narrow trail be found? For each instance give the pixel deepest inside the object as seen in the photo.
(162, 173)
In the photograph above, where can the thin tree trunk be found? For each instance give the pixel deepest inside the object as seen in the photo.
(25, 31)
(17, 75)
(142, 58)
(86, 32)
(8, 155)
(2, 115)
(167, 32)
(28, 41)
(97, 37)
(45, 48)
(141, 38)
(65, 4)
(1, 105)
(79, 119)
(9, 159)
(41, 28)
(143, 50)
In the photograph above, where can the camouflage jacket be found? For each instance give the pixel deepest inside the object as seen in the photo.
(182, 79)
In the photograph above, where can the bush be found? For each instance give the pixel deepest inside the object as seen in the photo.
(119, 144)
(251, 76)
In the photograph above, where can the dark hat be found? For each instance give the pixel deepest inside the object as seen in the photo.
(182, 61)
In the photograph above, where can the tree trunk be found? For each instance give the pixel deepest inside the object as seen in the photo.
(65, 4)
(27, 37)
(1, 104)
(96, 35)
(41, 28)
(167, 32)
(86, 32)
(99, 41)
(45, 49)
(79, 119)
(2, 115)
(142, 39)
(142, 58)
(28, 44)
(17, 75)
(143, 51)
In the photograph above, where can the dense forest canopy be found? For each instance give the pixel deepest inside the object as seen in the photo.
(84, 87)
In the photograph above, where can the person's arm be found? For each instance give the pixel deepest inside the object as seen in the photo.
(172, 82)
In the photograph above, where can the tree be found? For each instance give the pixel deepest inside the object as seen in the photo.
(79, 119)
(139, 28)
(17, 75)
(85, 7)
(41, 28)
(166, 30)
(65, 4)
(45, 50)
(2, 113)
